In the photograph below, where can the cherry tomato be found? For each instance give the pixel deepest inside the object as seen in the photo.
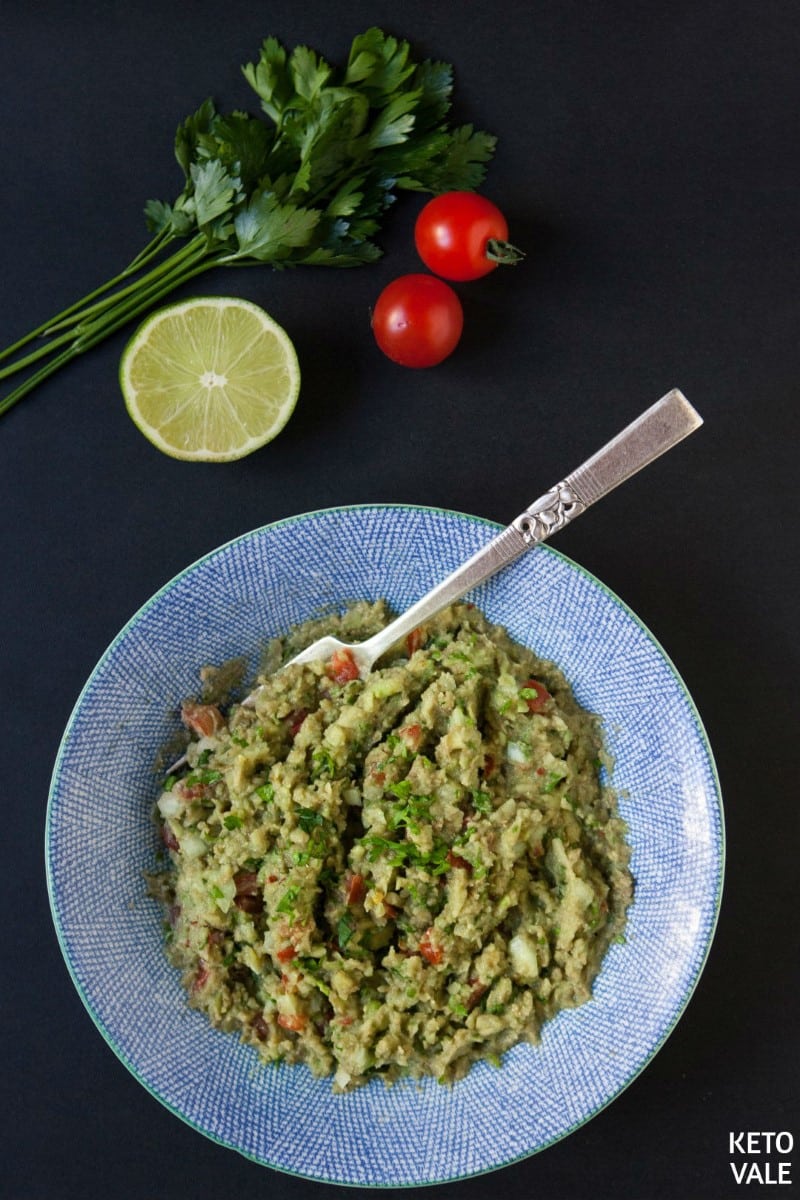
(461, 235)
(417, 320)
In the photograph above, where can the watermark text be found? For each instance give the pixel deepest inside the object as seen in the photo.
(761, 1157)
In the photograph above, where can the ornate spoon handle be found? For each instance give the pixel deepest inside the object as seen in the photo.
(657, 430)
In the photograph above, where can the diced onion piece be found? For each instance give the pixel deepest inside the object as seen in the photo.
(523, 957)
(192, 845)
(228, 891)
(170, 804)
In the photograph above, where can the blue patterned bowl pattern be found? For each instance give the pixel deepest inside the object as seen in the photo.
(100, 841)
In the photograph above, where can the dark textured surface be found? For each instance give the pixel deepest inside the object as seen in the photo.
(648, 163)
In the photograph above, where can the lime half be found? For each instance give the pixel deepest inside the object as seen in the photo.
(211, 379)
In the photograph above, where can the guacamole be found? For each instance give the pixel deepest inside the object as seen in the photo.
(398, 875)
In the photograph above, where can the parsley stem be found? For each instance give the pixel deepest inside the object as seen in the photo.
(34, 380)
(190, 261)
(35, 355)
(73, 312)
(136, 304)
(89, 311)
(153, 247)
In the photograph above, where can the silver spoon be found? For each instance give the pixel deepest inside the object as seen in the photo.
(657, 430)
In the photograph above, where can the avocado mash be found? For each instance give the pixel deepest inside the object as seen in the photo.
(397, 875)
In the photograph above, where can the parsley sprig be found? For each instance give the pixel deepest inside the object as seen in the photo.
(307, 181)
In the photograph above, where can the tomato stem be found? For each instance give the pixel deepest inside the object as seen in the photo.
(503, 252)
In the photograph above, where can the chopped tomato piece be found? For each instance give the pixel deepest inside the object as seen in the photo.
(292, 1021)
(201, 978)
(202, 719)
(455, 860)
(414, 640)
(249, 896)
(429, 949)
(261, 1027)
(478, 990)
(168, 837)
(246, 881)
(411, 735)
(536, 703)
(356, 889)
(342, 667)
(191, 791)
(296, 720)
(286, 954)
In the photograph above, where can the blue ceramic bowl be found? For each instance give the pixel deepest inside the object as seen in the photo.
(100, 841)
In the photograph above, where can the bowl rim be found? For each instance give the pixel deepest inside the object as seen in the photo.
(493, 526)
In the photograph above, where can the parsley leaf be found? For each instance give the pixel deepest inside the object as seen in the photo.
(309, 819)
(287, 901)
(215, 191)
(345, 929)
(268, 231)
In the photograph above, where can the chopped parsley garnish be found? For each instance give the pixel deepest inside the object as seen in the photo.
(318, 828)
(398, 748)
(405, 853)
(323, 764)
(309, 819)
(345, 929)
(288, 899)
(482, 802)
(202, 777)
(411, 812)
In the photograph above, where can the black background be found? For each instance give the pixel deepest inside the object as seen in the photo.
(648, 163)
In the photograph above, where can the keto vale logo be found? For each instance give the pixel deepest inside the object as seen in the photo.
(759, 1158)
